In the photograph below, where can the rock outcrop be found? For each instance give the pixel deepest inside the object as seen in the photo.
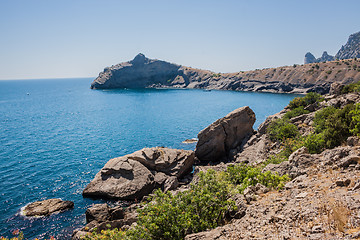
(225, 134)
(350, 50)
(101, 217)
(46, 207)
(309, 58)
(135, 175)
(143, 72)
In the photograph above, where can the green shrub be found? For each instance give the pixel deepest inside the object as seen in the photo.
(275, 159)
(353, 87)
(203, 207)
(169, 216)
(315, 143)
(355, 123)
(244, 176)
(321, 117)
(296, 112)
(334, 124)
(110, 234)
(308, 99)
(289, 146)
(281, 129)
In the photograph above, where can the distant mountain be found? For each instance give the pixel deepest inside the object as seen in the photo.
(350, 50)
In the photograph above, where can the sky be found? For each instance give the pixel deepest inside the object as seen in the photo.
(79, 38)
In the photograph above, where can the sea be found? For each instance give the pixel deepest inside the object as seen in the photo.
(56, 134)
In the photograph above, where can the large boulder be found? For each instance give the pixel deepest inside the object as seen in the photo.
(98, 212)
(133, 176)
(121, 178)
(225, 134)
(173, 162)
(47, 207)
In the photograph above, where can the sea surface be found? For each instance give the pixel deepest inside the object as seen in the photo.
(56, 134)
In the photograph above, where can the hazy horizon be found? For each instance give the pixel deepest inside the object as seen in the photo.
(78, 39)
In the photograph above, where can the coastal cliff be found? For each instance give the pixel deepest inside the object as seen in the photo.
(142, 72)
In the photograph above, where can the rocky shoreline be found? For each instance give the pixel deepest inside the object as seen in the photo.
(142, 72)
(320, 202)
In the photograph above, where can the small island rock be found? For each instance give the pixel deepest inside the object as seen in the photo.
(46, 207)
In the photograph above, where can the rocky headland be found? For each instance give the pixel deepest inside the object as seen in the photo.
(321, 197)
(142, 72)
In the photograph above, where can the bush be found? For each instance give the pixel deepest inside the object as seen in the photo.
(290, 145)
(353, 87)
(169, 216)
(335, 124)
(296, 112)
(355, 123)
(321, 117)
(308, 99)
(281, 129)
(110, 234)
(244, 176)
(203, 207)
(315, 143)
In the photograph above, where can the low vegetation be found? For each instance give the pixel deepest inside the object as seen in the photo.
(305, 101)
(205, 206)
(281, 129)
(354, 87)
(296, 112)
(332, 126)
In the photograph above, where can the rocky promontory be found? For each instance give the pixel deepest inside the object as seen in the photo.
(143, 72)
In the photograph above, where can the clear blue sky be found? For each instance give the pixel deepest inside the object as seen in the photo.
(78, 38)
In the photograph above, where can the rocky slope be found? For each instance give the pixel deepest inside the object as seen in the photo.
(143, 72)
(322, 200)
(350, 50)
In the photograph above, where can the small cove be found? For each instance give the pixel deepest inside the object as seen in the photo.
(55, 135)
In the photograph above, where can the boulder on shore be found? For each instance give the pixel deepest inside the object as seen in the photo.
(132, 176)
(46, 207)
(225, 134)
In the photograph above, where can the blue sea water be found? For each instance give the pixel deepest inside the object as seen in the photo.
(55, 135)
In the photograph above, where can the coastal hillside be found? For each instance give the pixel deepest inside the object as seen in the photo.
(142, 72)
(350, 50)
(296, 177)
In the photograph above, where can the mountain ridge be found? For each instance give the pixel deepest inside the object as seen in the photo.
(350, 50)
